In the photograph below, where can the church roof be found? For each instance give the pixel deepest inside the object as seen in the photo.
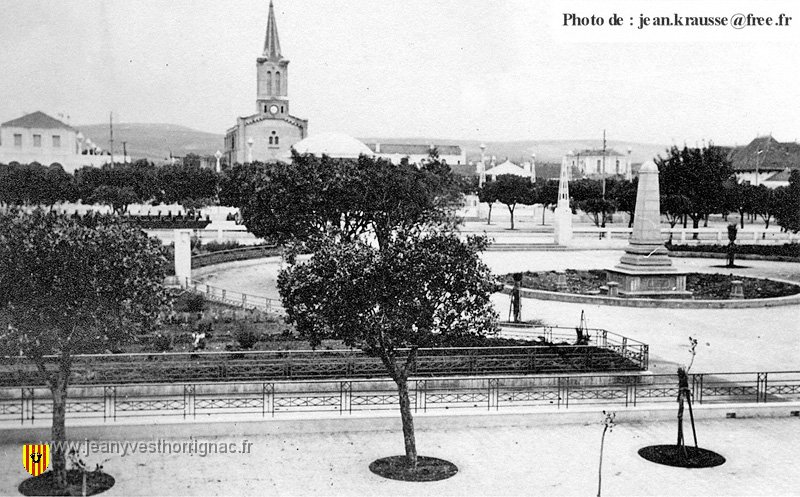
(413, 149)
(507, 167)
(336, 145)
(37, 120)
(272, 45)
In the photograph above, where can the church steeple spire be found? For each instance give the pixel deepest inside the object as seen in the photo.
(272, 45)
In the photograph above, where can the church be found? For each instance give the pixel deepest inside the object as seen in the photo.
(269, 134)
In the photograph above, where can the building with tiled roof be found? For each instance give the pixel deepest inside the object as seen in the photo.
(269, 134)
(37, 137)
(762, 158)
(417, 153)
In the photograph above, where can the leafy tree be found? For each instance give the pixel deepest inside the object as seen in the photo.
(547, 195)
(182, 182)
(788, 215)
(597, 209)
(392, 301)
(674, 207)
(488, 193)
(513, 190)
(138, 179)
(624, 196)
(118, 198)
(739, 197)
(69, 287)
(699, 175)
(315, 197)
(766, 203)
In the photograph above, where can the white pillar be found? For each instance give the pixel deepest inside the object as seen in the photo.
(563, 215)
(183, 256)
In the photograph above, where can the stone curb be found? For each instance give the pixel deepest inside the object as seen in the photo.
(660, 303)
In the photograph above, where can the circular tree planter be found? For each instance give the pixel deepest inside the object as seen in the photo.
(44, 484)
(673, 455)
(428, 469)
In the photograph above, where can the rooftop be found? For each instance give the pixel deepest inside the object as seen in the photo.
(38, 120)
(413, 148)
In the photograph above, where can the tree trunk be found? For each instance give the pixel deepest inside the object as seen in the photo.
(408, 422)
(741, 218)
(511, 210)
(543, 208)
(489, 221)
(59, 430)
(630, 219)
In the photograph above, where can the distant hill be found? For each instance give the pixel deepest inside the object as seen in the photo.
(158, 141)
(155, 141)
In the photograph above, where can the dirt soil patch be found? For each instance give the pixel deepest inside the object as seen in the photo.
(44, 484)
(673, 455)
(427, 469)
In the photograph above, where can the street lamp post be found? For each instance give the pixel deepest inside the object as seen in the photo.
(250, 149)
(218, 156)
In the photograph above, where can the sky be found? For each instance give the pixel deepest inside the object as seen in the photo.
(460, 69)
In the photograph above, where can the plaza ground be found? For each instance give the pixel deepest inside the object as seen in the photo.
(529, 458)
(550, 459)
(761, 339)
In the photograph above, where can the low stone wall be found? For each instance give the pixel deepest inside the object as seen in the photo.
(744, 257)
(661, 303)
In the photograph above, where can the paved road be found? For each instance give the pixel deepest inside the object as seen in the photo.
(522, 460)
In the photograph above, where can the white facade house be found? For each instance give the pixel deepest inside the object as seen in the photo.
(418, 153)
(596, 163)
(37, 137)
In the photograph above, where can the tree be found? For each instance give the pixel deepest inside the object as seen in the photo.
(766, 203)
(488, 194)
(186, 181)
(317, 197)
(699, 175)
(391, 301)
(513, 190)
(118, 198)
(624, 195)
(547, 195)
(674, 207)
(597, 209)
(788, 216)
(69, 287)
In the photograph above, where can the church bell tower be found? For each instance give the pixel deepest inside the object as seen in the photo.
(272, 74)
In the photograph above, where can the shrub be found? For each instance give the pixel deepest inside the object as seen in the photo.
(785, 250)
(195, 303)
(245, 335)
(162, 343)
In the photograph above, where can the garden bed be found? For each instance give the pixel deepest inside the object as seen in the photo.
(702, 285)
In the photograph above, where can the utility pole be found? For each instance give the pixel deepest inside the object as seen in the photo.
(111, 135)
(124, 152)
(603, 173)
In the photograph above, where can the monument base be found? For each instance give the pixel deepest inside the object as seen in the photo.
(649, 282)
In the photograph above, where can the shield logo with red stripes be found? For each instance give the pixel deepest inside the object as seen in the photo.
(36, 458)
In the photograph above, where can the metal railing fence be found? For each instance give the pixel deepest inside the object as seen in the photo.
(193, 400)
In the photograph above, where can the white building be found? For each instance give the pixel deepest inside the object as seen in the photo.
(596, 163)
(40, 138)
(418, 153)
(509, 167)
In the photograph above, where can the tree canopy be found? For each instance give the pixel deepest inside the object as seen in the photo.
(70, 287)
(314, 197)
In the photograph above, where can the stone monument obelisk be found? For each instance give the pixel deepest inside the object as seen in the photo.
(562, 222)
(645, 270)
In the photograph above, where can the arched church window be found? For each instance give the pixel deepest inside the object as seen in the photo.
(269, 85)
(276, 140)
(270, 140)
(277, 83)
